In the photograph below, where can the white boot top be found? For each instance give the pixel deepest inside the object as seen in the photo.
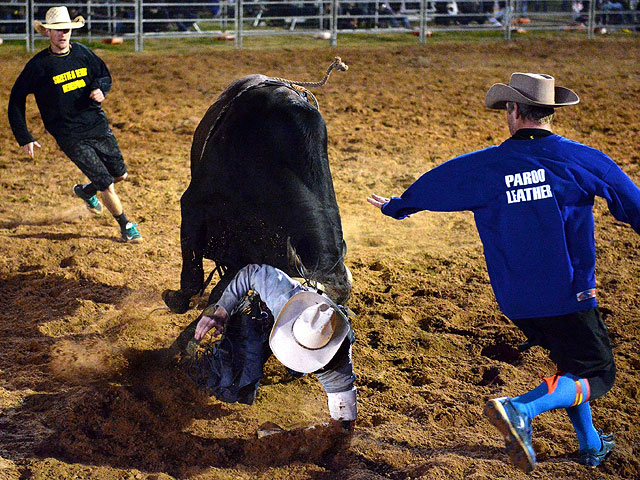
(343, 405)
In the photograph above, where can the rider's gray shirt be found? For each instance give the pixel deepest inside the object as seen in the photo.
(273, 285)
(275, 288)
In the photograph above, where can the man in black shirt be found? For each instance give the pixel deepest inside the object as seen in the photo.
(69, 83)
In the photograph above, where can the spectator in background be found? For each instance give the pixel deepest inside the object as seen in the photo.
(156, 19)
(522, 6)
(187, 13)
(578, 9)
(470, 11)
(128, 14)
(390, 17)
(345, 11)
(12, 19)
(214, 8)
(446, 12)
(541, 5)
(494, 11)
(609, 17)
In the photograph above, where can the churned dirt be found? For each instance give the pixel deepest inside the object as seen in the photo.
(86, 390)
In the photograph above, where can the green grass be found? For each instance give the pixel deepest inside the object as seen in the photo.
(345, 40)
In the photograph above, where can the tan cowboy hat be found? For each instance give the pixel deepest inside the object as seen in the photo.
(308, 332)
(57, 18)
(531, 89)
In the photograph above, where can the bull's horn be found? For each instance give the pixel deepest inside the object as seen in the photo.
(312, 283)
(295, 263)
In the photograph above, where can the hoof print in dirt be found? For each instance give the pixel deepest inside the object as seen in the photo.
(502, 352)
(491, 376)
(278, 446)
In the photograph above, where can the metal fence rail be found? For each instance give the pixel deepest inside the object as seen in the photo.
(235, 20)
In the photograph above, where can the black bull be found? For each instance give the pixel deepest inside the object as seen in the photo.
(259, 177)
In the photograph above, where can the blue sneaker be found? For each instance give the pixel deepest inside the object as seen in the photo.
(92, 202)
(130, 233)
(516, 428)
(592, 457)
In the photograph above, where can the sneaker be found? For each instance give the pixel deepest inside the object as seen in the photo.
(130, 233)
(92, 202)
(592, 457)
(516, 428)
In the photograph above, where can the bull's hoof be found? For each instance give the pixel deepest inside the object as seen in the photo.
(177, 301)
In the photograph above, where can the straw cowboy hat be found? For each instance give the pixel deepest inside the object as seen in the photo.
(531, 89)
(308, 332)
(57, 18)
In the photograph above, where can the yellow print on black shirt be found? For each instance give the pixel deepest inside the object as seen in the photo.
(75, 75)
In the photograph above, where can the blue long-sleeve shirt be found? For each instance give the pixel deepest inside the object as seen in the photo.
(61, 84)
(533, 206)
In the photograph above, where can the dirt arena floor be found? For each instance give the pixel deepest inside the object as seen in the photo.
(85, 392)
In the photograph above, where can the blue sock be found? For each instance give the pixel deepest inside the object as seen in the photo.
(580, 417)
(560, 391)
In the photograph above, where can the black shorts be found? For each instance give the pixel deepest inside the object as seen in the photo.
(99, 158)
(578, 343)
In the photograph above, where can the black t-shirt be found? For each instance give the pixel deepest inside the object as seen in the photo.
(61, 84)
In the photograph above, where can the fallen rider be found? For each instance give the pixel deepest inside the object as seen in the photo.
(310, 334)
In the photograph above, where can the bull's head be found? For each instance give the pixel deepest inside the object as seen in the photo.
(335, 282)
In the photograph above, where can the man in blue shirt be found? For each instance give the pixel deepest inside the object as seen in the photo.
(532, 199)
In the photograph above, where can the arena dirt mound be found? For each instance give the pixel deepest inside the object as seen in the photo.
(111, 424)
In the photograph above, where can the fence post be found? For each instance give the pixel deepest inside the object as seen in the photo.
(89, 22)
(137, 26)
(508, 17)
(111, 12)
(591, 21)
(238, 24)
(334, 23)
(423, 11)
(30, 17)
(141, 27)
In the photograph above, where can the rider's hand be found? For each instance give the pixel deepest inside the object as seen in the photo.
(216, 321)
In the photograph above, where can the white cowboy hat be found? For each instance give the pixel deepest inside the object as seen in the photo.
(308, 332)
(57, 18)
(531, 89)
